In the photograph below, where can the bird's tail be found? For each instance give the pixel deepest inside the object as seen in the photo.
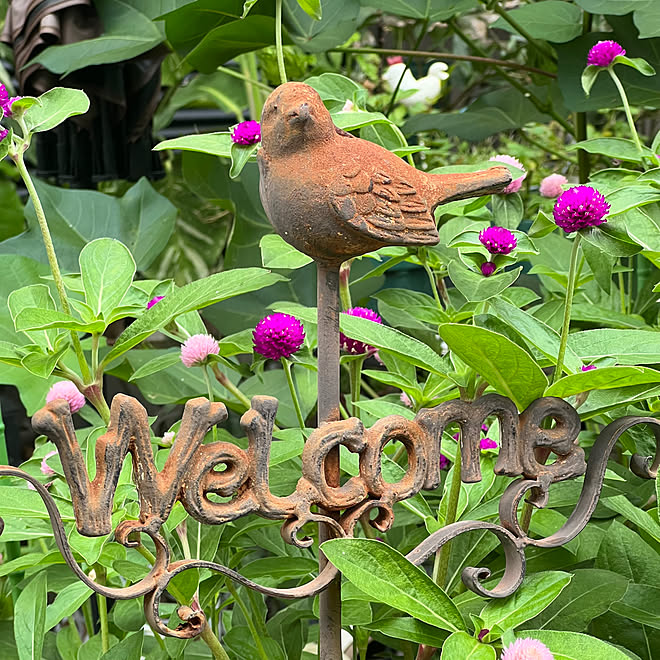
(453, 186)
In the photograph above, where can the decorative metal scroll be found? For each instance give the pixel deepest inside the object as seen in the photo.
(190, 476)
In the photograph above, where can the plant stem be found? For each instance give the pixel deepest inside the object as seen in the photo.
(102, 603)
(294, 395)
(444, 56)
(95, 353)
(626, 107)
(52, 258)
(224, 100)
(244, 77)
(434, 284)
(251, 92)
(248, 618)
(441, 564)
(87, 615)
(209, 389)
(278, 41)
(344, 284)
(213, 643)
(570, 290)
(355, 369)
(229, 386)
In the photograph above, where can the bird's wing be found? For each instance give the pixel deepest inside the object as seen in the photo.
(383, 206)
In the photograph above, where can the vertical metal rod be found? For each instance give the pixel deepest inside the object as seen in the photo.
(328, 411)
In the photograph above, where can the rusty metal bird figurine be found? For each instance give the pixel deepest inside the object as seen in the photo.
(334, 196)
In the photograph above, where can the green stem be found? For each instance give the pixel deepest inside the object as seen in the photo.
(622, 293)
(252, 82)
(159, 641)
(626, 107)
(250, 91)
(209, 389)
(102, 604)
(213, 643)
(224, 100)
(294, 395)
(52, 258)
(95, 353)
(87, 615)
(356, 381)
(441, 564)
(229, 386)
(344, 285)
(278, 41)
(570, 290)
(248, 618)
(433, 282)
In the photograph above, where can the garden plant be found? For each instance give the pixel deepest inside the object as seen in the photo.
(179, 288)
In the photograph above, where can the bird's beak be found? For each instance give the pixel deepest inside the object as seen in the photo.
(300, 114)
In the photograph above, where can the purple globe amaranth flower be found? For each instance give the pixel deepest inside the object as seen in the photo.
(527, 649)
(589, 367)
(353, 345)
(45, 468)
(488, 268)
(487, 443)
(604, 52)
(552, 185)
(498, 240)
(516, 184)
(65, 389)
(153, 301)
(6, 102)
(3, 133)
(278, 336)
(196, 349)
(246, 133)
(580, 207)
(443, 462)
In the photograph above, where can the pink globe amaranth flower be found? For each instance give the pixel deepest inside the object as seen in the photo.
(580, 207)
(352, 345)
(604, 52)
(552, 185)
(278, 336)
(498, 240)
(65, 389)
(487, 443)
(45, 468)
(488, 268)
(246, 133)
(444, 462)
(153, 301)
(6, 101)
(484, 428)
(527, 649)
(3, 133)
(516, 184)
(32, 487)
(196, 349)
(589, 367)
(394, 59)
(405, 400)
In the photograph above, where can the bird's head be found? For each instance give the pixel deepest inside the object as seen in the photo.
(294, 118)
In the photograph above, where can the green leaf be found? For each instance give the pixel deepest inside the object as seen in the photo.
(240, 155)
(216, 144)
(66, 603)
(55, 106)
(637, 63)
(508, 209)
(195, 295)
(476, 287)
(551, 20)
(622, 505)
(30, 618)
(34, 318)
(606, 241)
(435, 10)
(277, 253)
(405, 627)
(535, 594)
(542, 226)
(107, 270)
(613, 147)
(507, 367)
(34, 295)
(589, 76)
(129, 648)
(603, 378)
(311, 8)
(464, 646)
(127, 33)
(388, 577)
(641, 603)
(247, 5)
(157, 364)
(575, 646)
(628, 347)
(534, 331)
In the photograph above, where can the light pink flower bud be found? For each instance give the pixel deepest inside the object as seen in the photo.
(551, 186)
(197, 348)
(65, 389)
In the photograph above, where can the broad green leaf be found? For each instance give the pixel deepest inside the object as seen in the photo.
(68, 642)
(279, 569)
(641, 603)
(277, 253)
(195, 295)
(66, 603)
(542, 226)
(128, 615)
(464, 646)
(535, 332)
(216, 144)
(622, 505)
(8, 354)
(575, 646)
(107, 270)
(312, 8)
(41, 364)
(240, 155)
(30, 618)
(603, 378)
(637, 63)
(475, 287)
(628, 347)
(388, 577)
(405, 627)
(55, 106)
(589, 76)
(247, 5)
(127, 33)
(129, 648)
(507, 210)
(590, 593)
(157, 364)
(552, 20)
(419, 305)
(535, 594)
(614, 147)
(610, 243)
(435, 10)
(33, 318)
(34, 295)
(507, 367)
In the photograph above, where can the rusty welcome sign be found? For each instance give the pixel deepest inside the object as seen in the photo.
(334, 197)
